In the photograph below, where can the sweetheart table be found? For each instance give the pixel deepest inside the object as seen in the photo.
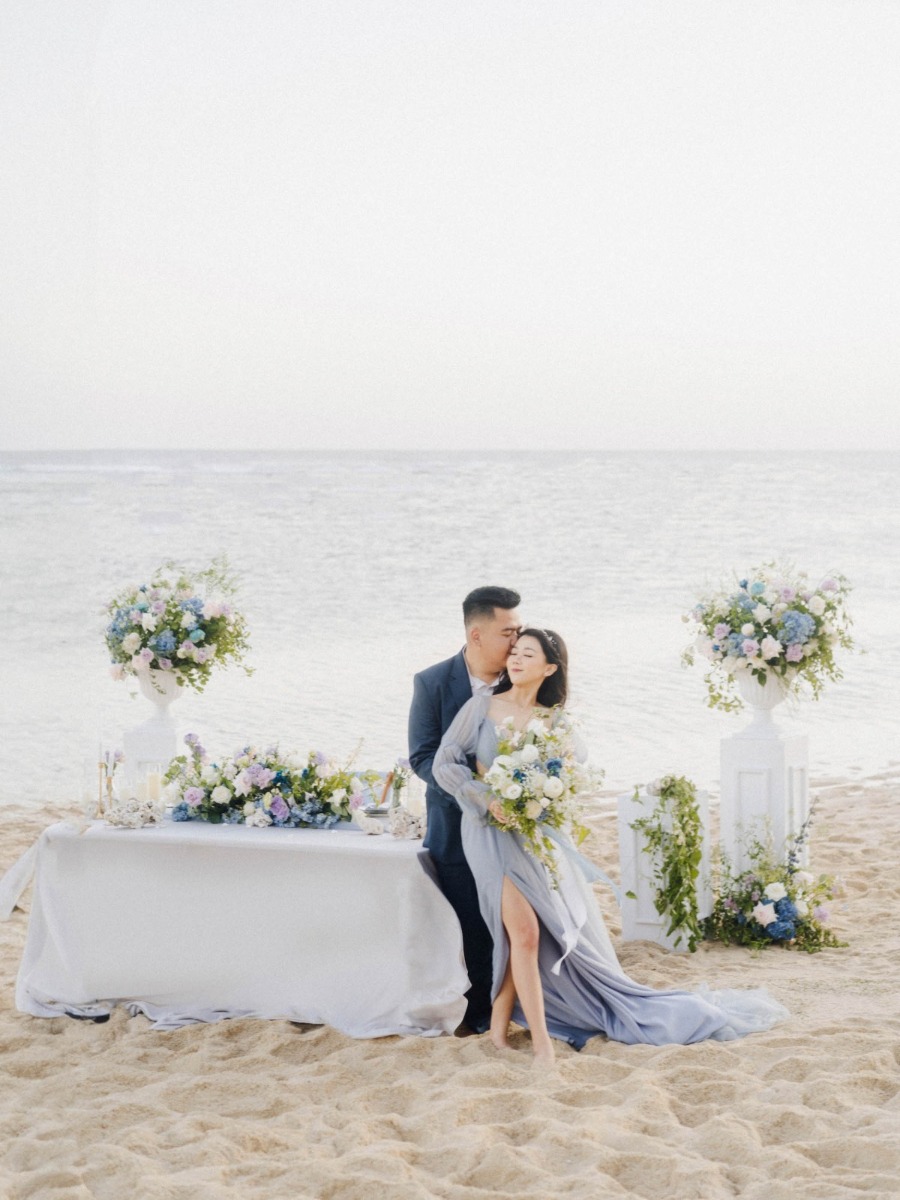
(189, 922)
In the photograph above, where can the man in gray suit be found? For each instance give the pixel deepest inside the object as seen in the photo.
(439, 692)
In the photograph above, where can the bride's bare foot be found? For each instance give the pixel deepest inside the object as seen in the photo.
(544, 1054)
(499, 1037)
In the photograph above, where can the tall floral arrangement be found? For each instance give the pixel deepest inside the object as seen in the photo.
(180, 622)
(771, 623)
(540, 785)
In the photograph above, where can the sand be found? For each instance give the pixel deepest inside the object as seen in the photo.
(261, 1110)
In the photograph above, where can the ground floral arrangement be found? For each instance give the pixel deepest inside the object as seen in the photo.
(266, 787)
(540, 784)
(772, 902)
(177, 622)
(773, 623)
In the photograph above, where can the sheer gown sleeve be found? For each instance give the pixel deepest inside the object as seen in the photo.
(451, 762)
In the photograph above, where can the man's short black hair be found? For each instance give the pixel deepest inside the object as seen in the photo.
(483, 601)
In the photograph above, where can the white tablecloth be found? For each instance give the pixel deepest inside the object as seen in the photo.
(189, 922)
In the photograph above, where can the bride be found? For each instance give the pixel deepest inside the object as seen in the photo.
(554, 964)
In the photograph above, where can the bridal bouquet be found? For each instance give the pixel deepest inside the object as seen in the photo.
(771, 623)
(540, 784)
(177, 622)
(263, 787)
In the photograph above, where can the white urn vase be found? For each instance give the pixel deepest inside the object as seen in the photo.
(152, 744)
(762, 698)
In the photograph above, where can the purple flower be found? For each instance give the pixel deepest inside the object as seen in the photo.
(794, 653)
(146, 655)
(820, 913)
(750, 647)
(191, 739)
(787, 594)
(194, 796)
(158, 607)
(754, 896)
(279, 809)
(165, 664)
(828, 585)
(721, 630)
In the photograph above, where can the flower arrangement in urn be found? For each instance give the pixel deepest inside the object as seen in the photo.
(772, 624)
(178, 623)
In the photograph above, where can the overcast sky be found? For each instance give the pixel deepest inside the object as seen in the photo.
(465, 223)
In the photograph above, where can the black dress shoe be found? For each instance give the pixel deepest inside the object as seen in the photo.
(86, 1017)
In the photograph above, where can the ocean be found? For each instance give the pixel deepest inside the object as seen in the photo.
(353, 566)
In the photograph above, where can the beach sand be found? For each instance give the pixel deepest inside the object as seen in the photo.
(257, 1110)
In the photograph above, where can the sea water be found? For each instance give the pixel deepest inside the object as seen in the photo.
(353, 566)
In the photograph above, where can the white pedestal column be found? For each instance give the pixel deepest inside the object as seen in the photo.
(150, 746)
(765, 791)
(640, 920)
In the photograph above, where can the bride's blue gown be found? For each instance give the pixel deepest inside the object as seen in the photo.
(586, 992)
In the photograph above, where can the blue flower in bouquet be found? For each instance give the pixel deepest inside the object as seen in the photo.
(194, 605)
(781, 931)
(554, 766)
(181, 812)
(757, 589)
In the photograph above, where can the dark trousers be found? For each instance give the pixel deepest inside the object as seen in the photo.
(458, 885)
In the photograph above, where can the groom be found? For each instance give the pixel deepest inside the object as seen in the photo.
(439, 692)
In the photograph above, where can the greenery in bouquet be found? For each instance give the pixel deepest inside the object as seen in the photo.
(540, 785)
(179, 622)
(772, 902)
(773, 623)
(263, 787)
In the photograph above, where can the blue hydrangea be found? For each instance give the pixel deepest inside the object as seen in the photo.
(181, 812)
(196, 635)
(743, 583)
(554, 766)
(194, 605)
(757, 589)
(746, 604)
(164, 642)
(781, 931)
(735, 643)
(786, 909)
(795, 627)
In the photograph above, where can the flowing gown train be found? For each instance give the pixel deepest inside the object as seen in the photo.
(586, 992)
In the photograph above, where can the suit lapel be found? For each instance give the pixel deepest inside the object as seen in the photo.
(460, 687)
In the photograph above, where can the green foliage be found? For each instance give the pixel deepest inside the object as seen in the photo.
(673, 837)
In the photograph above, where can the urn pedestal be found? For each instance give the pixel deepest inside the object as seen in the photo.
(640, 920)
(151, 745)
(764, 777)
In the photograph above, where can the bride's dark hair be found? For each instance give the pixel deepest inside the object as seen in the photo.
(555, 688)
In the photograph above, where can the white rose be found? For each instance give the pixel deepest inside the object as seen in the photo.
(779, 608)
(553, 787)
(764, 914)
(802, 908)
(770, 647)
(804, 878)
(529, 753)
(816, 606)
(188, 620)
(533, 809)
(762, 613)
(259, 819)
(209, 775)
(221, 795)
(131, 642)
(148, 621)
(749, 629)
(770, 595)
(513, 792)
(338, 795)
(503, 760)
(249, 808)
(535, 726)
(775, 891)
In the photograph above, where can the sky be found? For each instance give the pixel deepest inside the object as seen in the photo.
(450, 224)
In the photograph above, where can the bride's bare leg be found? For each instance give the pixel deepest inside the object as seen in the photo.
(501, 1012)
(523, 931)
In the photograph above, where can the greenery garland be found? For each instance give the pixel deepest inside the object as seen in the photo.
(673, 836)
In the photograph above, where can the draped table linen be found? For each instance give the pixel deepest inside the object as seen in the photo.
(190, 922)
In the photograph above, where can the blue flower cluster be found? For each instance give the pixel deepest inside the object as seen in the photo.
(785, 927)
(164, 642)
(554, 766)
(795, 627)
(194, 605)
(120, 625)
